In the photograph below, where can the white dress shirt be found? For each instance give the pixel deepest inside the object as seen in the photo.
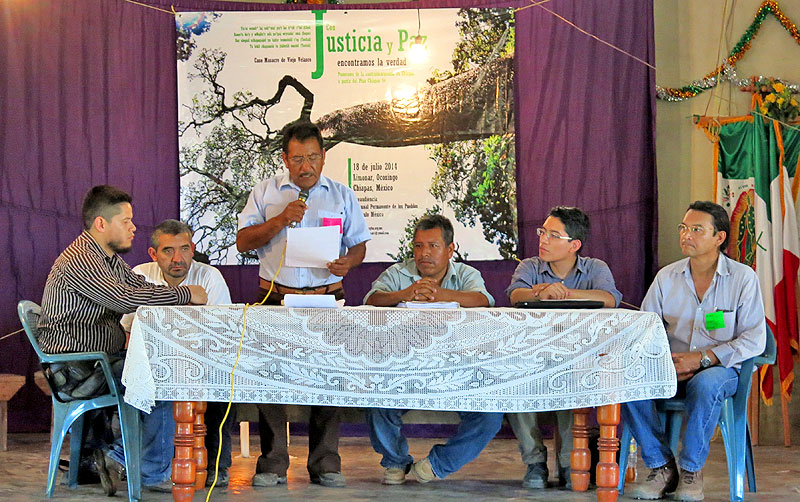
(328, 202)
(199, 274)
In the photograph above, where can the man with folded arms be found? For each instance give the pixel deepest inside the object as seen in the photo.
(302, 197)
(712, 311)
(172, 250)
(430, 276)
(88, 290)
(558, 273)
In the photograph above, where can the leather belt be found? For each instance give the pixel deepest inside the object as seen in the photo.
(286, 290)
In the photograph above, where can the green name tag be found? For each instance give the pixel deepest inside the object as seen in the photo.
(715, 320)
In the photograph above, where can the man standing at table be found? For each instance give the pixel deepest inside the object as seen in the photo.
(712, 310)
(430, 277)
(172, 250)
(303, 197)
(88, 290)
(558, 273)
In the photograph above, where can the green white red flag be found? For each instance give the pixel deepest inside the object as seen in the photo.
(756, 163)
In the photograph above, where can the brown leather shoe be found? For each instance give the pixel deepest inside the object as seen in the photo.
(660, 481)
(690, 486)
(108, 472)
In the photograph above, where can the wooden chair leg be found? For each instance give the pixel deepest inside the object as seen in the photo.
(3, 425)
(9, 385)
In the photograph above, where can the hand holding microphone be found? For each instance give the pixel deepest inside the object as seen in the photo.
(295, 210)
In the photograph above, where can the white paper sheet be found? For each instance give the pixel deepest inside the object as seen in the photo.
(429, 305)
(312, 301)
(312, 247)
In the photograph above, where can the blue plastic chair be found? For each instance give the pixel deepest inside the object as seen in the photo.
(732, 424)
(70, 414)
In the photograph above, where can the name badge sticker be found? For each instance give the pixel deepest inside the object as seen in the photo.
(332, 222)
(715, 320)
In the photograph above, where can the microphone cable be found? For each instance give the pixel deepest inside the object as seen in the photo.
(233, 370)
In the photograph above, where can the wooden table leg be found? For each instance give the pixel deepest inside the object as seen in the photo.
(200, 453)
(607, 469)
(580, 459)
(184, 467)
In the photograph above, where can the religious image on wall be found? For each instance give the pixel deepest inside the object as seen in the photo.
(415, 107)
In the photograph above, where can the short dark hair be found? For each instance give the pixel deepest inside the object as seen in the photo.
(170, 227)
(575, 221)
(300, 130)
(436, 221)
(102, 201)
(719, 217)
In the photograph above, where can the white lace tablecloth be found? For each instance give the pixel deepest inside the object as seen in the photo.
(493, 359)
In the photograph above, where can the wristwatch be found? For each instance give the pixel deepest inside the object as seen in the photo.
(705, 361)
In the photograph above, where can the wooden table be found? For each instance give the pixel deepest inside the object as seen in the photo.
(494, 360)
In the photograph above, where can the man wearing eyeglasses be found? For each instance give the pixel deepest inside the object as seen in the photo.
(303, 197)
(558, 273)
(712, 310)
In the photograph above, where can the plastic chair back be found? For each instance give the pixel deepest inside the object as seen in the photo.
(69, 414)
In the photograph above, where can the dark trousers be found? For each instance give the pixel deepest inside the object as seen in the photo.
(323, 440)
(214, 414)
(323, 429)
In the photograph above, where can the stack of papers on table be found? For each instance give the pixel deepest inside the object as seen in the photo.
(429, 305)
(312, 301)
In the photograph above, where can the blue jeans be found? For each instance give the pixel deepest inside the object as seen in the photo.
(704, 395)
(158, 431)
(474, 433)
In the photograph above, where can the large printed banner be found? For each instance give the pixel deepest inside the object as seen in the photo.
(416, 108)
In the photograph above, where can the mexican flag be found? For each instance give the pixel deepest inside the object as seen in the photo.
(756, 163)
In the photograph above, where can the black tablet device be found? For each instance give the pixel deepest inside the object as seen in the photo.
(560, 304)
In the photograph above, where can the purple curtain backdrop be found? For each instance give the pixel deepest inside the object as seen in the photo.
(88, 96)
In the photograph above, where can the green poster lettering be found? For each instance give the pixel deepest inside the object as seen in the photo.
(319, 44)
(403, 34)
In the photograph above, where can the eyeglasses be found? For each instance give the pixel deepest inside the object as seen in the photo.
(298, 160)
(694, 229)
(551, 234)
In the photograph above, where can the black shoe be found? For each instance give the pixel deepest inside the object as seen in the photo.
(564, 478)
(537, 475)
(222, 478)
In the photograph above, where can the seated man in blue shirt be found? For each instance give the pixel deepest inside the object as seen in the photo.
(559, 272)
(712, 310)
(430, 277)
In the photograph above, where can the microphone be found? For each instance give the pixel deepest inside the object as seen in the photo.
(304, 197)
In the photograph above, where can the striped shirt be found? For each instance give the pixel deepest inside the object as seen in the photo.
(86, 294)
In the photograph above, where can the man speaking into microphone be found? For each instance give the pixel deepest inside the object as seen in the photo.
(301, 198)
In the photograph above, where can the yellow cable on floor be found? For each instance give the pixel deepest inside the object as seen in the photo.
(236, 363)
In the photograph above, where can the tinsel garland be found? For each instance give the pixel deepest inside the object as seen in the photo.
(727, 70)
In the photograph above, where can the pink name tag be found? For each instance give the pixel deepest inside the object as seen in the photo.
(330, 222)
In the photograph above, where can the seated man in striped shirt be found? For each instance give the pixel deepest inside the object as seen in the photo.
(88, 290)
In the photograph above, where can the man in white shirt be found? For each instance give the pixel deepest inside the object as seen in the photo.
(714, 316)
(172, 250)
